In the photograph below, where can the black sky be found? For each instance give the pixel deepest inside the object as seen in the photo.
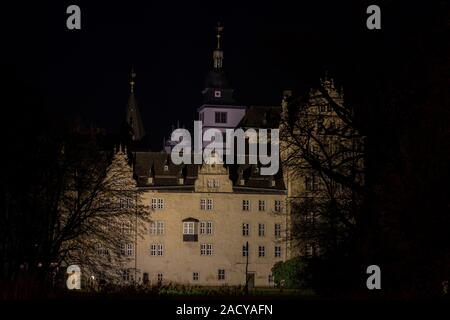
(269, 47)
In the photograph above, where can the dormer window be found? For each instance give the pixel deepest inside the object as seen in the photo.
(217, 93)
(166, 168)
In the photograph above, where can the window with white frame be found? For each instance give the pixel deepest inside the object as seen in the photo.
(156, 228)
(127, 227)
(206, 204)
(127, 249)
(245, 205)
(245, 229)
(160, 277)
(157, 204)
(277, 230)
(262, 205)
(206, 227)
(270, 279)
(202, 204)
(209, 204)
(221, 274)
(156, 249)
(261, 251)
(261, 229)
(245, 250)
(125, 203)
(206, 249)
(278, 206)
(216, 183)
(189, 227)
(277, 251)
(195, 276)
(127, 275)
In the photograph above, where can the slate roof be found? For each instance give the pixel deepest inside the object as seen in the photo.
(264, 117)
(152, 164)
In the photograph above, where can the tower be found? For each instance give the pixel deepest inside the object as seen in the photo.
(133, 117)
(219, 110)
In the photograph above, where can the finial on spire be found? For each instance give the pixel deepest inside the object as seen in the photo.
(132, 82)
(219, 29)
(218, 53)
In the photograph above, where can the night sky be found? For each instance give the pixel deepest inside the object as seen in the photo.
(268, 47)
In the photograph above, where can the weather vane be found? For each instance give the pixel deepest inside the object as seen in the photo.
(133, 75)
(219, 30)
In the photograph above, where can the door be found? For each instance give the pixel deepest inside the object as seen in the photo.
(251, 279)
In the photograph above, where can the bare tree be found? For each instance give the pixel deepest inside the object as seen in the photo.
(323, 160)
(99, 216)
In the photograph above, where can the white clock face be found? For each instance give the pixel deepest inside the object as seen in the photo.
(217, 94)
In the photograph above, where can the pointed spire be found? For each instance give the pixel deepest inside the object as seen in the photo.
(134, 119)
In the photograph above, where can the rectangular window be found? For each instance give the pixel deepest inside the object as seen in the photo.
(262, 205)
(195, 276)
(125, 203)
(101, 251)
(270, 279)
(189, 227)
(277, 230)
(206, 249)
(261, 230)
(221, 117)
(209, 204)
(312, 183)
(216, 183)
(156, 228)
(202, 204)
(277, 205)
(156, 249)
(245, 229)
(160, 277)
(312, 249)
(127, 227)
(127, 275)
(206, 227)
(157, 204)
(244, 250)
(245, 205)
(127, 249)
(277, 251)
(261, 251)
(221, 274)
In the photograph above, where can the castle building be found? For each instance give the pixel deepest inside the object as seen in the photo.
(211, 224)
(226, 224)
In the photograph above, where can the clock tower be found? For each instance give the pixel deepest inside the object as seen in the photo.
(219, 110)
